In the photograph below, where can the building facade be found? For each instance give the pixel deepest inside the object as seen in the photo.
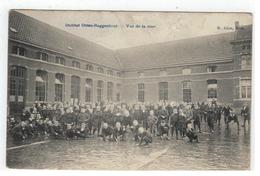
(50, 65)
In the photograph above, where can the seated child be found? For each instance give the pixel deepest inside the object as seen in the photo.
(119, 132)
(191, 134)
(107, 132)
(164, 130)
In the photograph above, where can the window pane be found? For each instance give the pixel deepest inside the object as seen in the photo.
(163, 91)
(40, 91)
(21, 52)
(75, 87)
(110, 91)
(243, 92)
(15, 50)
(58, 92)
(88, 87)
(212, 93)
(99, 91)
(249, 92)
(12, 87)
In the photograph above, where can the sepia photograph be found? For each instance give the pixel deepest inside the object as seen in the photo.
(129, 90)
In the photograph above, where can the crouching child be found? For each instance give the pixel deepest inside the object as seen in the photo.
(145, 137)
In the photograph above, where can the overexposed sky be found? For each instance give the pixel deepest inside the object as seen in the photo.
(167, 26)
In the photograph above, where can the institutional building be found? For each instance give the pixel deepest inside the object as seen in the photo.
(48, 64)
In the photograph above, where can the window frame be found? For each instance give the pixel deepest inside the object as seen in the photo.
(60, 60)
(100, 89)
(41, 87)
(141, 92)
(248, 88)
(18, 49)
(76, 64)
(163, 91)
(212, 85)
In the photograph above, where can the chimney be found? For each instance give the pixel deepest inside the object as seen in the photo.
(236, 25)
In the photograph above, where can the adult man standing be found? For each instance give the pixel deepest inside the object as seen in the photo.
(245, 113)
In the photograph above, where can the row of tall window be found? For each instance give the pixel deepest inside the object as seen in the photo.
(18, 83)
(212, 86)
(18, 75)
(60, 60)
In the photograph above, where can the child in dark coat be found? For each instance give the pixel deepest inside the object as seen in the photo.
(145, 137)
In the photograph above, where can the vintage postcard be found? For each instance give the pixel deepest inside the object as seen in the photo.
(125, 90)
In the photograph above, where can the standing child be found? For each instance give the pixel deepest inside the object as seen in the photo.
(152, 121)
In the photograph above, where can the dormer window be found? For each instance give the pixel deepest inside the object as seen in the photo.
(60, 60)
(186, 71)
(100, 70)
(163, 72)
(140, 74)
(75, 64)
(211, 69)
(89, 67)
(42, 56)
(19, 51)
(110, 72)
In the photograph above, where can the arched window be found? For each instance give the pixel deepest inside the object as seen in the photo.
(100, 85)
(110, 87)
(75, 89)
(59, 87)
(41, 85)
(89, 88)
(212, 88)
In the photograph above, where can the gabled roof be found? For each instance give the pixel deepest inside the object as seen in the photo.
(198, 49)
(30, 30)
(201, 49)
